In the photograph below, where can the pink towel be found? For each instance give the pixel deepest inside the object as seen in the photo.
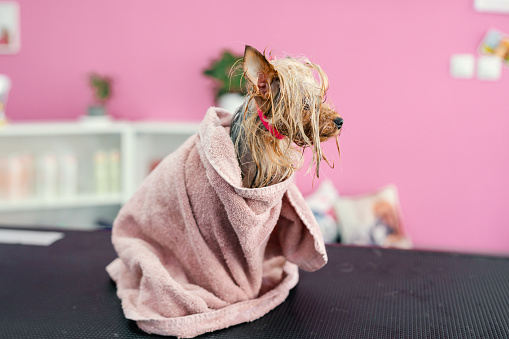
(198, 252)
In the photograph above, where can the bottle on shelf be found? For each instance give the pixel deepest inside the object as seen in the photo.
(47, 176)
(3, 177)
(101, 172)
(68, 174)
(114, 171)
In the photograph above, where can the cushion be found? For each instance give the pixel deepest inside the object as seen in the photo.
(372, 219)
(322, 203)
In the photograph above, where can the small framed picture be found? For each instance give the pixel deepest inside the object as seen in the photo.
(496, 43)
(9, 27)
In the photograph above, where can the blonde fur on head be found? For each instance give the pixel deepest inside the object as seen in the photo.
(291, 92)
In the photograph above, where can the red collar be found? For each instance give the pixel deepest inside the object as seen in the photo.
(267, 125)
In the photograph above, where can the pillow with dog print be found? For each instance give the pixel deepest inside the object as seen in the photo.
(372, 219)
(321, 203)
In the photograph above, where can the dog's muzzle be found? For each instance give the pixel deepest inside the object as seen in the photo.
(338, 122)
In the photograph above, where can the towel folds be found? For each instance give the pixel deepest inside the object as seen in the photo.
(198, 252)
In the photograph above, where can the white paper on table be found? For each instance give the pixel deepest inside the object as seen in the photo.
(22, 237)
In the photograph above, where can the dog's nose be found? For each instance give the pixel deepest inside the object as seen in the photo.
(338, 122)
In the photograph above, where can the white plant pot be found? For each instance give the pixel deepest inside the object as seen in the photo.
(230, 101)
(97, 110)
(96, 114)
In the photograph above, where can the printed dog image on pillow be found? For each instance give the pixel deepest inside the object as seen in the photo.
(372, 219)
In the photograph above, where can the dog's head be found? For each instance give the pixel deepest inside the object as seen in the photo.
(292, 95)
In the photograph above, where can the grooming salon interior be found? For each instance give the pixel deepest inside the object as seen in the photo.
(94, 94)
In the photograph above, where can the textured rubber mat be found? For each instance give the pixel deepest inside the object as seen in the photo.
(63, 291)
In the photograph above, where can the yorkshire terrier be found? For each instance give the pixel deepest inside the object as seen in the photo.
(285, 106)
(196, 255)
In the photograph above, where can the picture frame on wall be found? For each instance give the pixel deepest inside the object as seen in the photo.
(10, 37)
(496, 43)
(492, 6)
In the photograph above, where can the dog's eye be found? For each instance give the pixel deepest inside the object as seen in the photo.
(305, 103)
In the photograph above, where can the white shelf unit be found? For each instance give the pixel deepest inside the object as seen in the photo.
(139, 145)
(151, 142)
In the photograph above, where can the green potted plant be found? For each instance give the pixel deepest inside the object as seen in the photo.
(101, 87)
(228, 80)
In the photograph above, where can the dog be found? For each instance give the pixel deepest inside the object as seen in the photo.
(285, 107)
(204, 243)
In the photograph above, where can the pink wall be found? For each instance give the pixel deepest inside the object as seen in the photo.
(441, 141)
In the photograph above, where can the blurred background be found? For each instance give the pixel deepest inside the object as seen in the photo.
(426, 108)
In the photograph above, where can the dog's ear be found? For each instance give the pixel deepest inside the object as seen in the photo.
(258, 71)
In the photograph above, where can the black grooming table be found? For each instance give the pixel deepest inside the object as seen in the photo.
(63, 291)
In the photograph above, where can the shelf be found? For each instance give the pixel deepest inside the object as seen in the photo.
(173, 128)
(113, 127)
(138, 142)
(62, 128)
(56, 203)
